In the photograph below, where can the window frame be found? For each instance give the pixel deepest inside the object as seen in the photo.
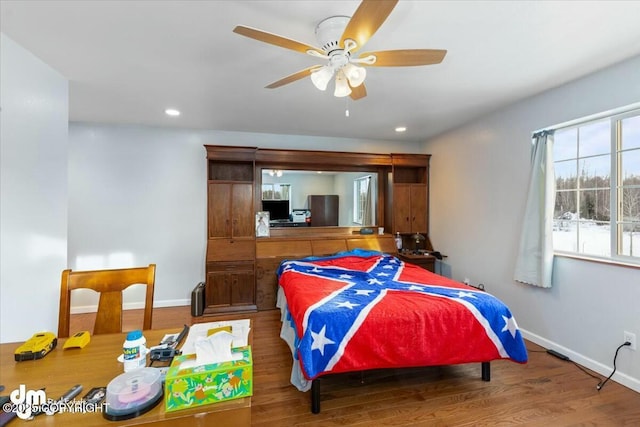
(615, 120)
(359, 208)
(273, 190)
(616, 246)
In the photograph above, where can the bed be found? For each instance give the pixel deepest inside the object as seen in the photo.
(361, 310)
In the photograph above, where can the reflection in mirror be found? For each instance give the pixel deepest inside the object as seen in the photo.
(356, 197)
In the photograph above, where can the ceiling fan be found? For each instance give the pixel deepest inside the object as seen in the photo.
(341, 37)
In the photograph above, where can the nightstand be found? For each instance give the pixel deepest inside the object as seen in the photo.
(425, 261)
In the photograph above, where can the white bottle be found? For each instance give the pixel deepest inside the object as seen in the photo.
(134, 351)
(398, 241)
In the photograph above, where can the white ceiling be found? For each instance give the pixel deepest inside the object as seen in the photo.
(129, 60)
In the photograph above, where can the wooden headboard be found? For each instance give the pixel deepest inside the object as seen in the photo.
(298, 247)
(270, 252)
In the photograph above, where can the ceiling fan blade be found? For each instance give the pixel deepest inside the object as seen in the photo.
(405, 58)
(366, 20)
(276, 40)
(293, 77)
(358, 92)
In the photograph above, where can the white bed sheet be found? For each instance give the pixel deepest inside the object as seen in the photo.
(288, 334)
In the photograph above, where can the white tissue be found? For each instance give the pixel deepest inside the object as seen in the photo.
(215, 348)
(239, 328)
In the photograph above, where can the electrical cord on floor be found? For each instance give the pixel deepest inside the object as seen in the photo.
(566, 359)
(585, 371)
(602, 383)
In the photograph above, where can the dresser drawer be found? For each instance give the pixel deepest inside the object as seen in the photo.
(229, 266)
(231, 250)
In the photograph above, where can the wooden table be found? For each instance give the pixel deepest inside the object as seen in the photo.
(95, 366)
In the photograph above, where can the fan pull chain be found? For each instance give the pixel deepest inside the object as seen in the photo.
(346, 107)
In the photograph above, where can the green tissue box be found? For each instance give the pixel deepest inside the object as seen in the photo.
(202, 385)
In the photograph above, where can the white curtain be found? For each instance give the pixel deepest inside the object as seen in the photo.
(367, 218)
(534, 263)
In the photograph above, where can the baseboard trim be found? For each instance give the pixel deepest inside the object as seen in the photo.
(619, 377)
(133, 305)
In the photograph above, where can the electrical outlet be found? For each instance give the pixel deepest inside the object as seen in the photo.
(630, 337)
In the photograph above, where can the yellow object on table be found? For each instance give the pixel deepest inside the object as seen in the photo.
(78, 340)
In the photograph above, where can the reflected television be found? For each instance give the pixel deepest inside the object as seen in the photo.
(278, 209)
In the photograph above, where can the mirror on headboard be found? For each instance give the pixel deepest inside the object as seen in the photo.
(333, 202)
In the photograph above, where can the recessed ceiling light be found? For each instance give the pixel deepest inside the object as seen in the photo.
(401, 129)
(172, 112)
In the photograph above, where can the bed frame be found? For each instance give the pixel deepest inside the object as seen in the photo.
(315, 387)
(485, 368)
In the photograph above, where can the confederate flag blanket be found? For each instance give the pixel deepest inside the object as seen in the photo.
(362, 310)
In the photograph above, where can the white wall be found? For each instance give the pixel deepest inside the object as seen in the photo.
(33, 213)
(137, 195)
(479, 177)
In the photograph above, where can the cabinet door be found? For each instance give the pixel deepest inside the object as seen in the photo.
(242, 214)
(402, 211)
(230, 210)
(418, 208)
(230, 286)
(219, 210)
(243, 289)
(218, 289)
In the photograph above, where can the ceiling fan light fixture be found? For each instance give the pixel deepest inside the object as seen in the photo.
(355, 74)
(329, 31)
(342, 86)
(321, 77)
(340, 38)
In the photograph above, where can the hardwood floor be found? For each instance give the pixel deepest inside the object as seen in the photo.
(544, 392)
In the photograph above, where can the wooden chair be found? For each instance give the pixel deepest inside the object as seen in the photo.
(110, 284)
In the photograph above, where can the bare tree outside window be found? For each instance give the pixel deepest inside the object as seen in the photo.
(597, 208)
(629, 159)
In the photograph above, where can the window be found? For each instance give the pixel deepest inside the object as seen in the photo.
(361, 200)
(276, 191)
(597, 173)
(276, 200)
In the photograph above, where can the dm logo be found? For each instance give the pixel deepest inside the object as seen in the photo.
(27, 400)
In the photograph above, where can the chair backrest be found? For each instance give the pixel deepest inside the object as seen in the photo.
(110, 284)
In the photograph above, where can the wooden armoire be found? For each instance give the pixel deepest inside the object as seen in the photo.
(241, 268)
(230, 263)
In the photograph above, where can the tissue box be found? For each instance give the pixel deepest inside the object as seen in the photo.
(202, 385)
